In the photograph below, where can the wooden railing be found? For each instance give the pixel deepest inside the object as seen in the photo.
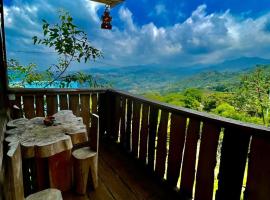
(201, 155)
(185, 148)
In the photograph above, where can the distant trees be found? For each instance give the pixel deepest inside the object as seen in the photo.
(193, 98)
(249, 100)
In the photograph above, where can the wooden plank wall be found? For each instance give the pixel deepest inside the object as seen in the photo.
(3, 121)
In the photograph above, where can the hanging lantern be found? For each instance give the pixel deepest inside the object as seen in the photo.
(106, 19)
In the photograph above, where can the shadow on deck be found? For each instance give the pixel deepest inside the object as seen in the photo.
(121, 178)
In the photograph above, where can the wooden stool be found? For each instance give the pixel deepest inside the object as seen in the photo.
(85, 162)
(48, 194)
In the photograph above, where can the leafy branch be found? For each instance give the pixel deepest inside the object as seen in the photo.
(70, 43)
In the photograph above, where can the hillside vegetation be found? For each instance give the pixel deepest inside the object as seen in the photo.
(239, 95)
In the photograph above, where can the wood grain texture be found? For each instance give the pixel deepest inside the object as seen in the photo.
(74, 104)
(153, 119)
(144, 133)
(258, 182)
(51, 101)
(135, 127)
(177, 140)
(94, 129)
(85, 169)
(42, 173)
(28, 107)
(94, 104)
(103, 117)
(162, 144)
(123, 121)
(85, 109)
(63, 102)
(17, 113)
(128, 129)
(207, 162)
(116, 117)
(189, 159)
(60, 171)
(13, 177)
(232, 165)
(29, 175)
(40, 106)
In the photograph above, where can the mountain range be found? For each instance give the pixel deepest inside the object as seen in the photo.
(140, 79)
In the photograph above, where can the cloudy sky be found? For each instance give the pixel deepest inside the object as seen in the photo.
(169, 33)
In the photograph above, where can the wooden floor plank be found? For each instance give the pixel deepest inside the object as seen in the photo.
(101, 193)
(121, 177)
(114, 183)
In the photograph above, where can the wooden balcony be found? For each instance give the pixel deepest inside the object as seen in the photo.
(151, 150)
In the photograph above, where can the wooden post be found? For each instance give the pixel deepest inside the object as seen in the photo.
(13, 180)
(3, 64)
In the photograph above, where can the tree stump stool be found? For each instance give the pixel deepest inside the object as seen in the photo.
(48, 194)
(85, 169)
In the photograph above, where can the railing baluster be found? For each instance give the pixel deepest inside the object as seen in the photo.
(93, 130)
(116, 117)
(258, 181)
(232, 165)
(123, 121)
(63, 102)
(135, 127)
(162, 144)
(28, 106)
(15, 114)
(153, 119)
(51, 104)
(39, 105)
(128, 129)
(74, 104)
(207, 161)
(102, 112)
(189, 159)
(144, 133)
(177, 139)
(85, 109)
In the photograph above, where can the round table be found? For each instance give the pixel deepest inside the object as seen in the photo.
(48, 147)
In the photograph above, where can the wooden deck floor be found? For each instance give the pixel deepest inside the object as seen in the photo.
(120, 178)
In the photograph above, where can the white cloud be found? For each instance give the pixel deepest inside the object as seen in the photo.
(201, 38)
(160, 9)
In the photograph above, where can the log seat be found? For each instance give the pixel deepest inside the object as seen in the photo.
(85, 169)
(48, 194)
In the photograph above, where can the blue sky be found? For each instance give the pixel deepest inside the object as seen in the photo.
(169, 33)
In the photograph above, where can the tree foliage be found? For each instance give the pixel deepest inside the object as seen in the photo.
(71, 45)
(253, 95)
(19, 75)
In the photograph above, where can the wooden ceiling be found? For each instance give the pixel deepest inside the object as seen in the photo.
(112, 3)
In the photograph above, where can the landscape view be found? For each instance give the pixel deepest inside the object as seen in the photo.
(202, 55)
(135, 99)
